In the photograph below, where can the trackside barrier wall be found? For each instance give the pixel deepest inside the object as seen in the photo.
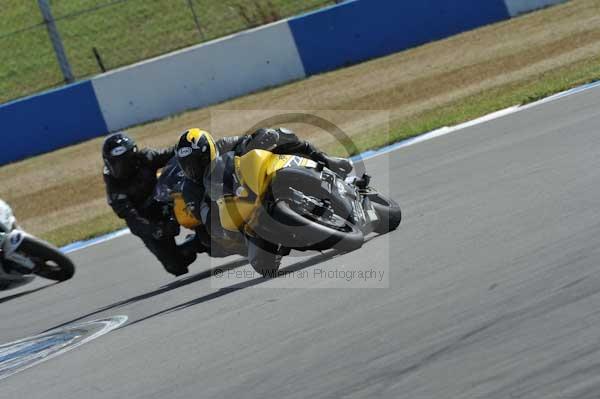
(359, 30)
(341, 35)
(199, 76)
(49, 121)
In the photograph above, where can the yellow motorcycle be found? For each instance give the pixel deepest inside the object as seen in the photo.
(288, 201)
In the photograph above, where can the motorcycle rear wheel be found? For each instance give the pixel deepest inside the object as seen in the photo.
(265, 258)
(308, 231)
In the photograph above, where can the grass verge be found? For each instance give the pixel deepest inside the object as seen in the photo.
(84, 230)
(472, 107)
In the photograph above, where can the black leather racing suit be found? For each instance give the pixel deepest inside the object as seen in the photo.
(132, 199)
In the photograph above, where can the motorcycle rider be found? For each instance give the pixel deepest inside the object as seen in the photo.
(130, 176)
(8, 223)
(199, 154)
(7, 218)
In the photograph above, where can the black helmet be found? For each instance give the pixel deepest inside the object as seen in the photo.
(195, 152)
(118, 153)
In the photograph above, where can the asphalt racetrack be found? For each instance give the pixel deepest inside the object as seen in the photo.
(494, 290)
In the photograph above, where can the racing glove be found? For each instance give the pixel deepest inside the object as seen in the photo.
(341, 166)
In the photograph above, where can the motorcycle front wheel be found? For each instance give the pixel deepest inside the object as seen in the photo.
(388, 211)
(50, 262)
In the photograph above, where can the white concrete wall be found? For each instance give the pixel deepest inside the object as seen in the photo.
(516, 7)
(199, 76)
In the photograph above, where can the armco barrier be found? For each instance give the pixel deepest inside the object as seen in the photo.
(49, 121)
(345, 34)
(199, 76)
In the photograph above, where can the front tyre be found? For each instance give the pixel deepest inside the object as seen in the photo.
(50, 262)
(388, 211)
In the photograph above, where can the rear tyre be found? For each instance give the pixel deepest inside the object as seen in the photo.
(264, 257)
(50, 262)
(308, 231)
(388, 211)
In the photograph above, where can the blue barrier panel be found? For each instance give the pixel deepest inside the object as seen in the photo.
(359, 30)
(49, 121)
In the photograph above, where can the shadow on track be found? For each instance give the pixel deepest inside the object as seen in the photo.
(165, 288)
(20, 294)
(315, 260)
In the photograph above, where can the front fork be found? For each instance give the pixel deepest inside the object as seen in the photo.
(356, 190)
(369, 214)
(11, 255)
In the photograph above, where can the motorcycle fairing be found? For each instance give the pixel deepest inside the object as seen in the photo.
(253, 174)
